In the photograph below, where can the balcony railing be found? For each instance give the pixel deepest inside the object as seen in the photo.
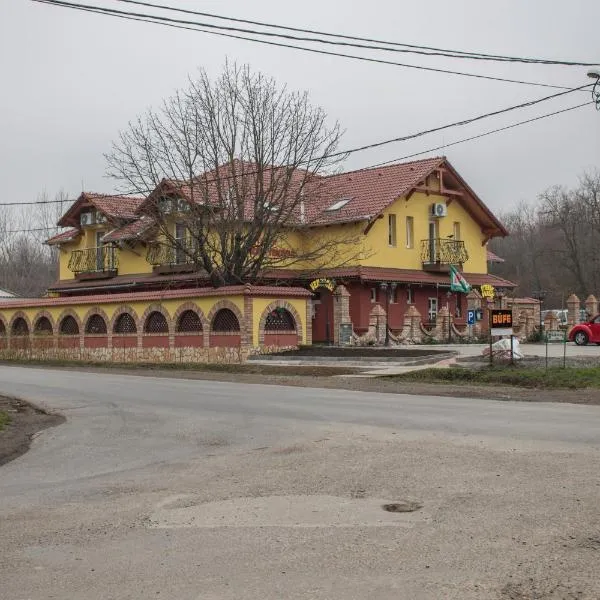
(103, 259)
(439, 253)
(165, 255)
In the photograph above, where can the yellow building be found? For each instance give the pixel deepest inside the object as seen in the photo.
(408, 224)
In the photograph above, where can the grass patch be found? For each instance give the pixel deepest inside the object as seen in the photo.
(553, 378)
(4, 419)
(244, 368)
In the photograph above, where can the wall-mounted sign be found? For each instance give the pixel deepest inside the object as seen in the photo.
(471, 317)
(322, 282)
(488, 291)
(501, 322)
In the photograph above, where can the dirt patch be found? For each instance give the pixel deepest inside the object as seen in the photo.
(24, 420)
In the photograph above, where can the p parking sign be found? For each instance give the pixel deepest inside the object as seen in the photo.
(470, 317)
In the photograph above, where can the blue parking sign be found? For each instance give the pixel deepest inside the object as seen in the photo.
(470, 317)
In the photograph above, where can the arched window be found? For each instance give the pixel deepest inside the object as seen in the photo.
(189, 321)
(156, 323)
(280, 319)
(43, 326)
(69, 326)
(96, 325)
(125, 324)
(225, 320)
(20, 327)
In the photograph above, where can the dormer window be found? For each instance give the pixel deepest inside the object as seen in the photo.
(339, 204)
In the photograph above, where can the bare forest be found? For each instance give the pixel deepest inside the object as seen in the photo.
(554, 243)
(27, 266)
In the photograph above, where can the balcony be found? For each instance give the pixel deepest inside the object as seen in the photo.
(437, 254)
(94, 263)
(169, 259)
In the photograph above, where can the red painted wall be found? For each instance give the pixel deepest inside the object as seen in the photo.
(323, 315)
(155, 341)
(183, 340)
(68, 341)
(225, 341)
(281, 339)
(94, 341)
(123, 341)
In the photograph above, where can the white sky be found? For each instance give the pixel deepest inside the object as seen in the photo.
(71, 80)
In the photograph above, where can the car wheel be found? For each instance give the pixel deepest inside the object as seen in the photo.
(581, 338)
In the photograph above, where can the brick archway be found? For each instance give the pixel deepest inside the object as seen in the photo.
(227, 338)
(190, 338)
(155, 339)
(125, 340)
(3, 333)
(67, 340)
(19, 342)
(95, 340)
(266, 338)
(41, 315)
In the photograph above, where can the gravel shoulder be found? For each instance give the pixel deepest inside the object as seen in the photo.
(24, 421)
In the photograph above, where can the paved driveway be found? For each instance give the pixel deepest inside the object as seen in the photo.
(201, 490)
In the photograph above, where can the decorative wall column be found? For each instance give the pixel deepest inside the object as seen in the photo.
(443, 325)
(341, 311)
(474, 302)
(573, 305)
(377, 321)
(591, 306)
(411, 330)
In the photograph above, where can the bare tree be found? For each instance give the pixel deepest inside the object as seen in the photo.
(240, 161)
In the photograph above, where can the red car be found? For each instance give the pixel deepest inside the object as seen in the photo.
(588, 332)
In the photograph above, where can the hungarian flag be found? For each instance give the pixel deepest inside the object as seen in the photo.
(457, 282)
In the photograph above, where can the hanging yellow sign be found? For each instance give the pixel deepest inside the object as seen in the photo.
(322, 282)
(488, 291)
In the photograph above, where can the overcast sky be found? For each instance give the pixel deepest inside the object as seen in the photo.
(71, 80)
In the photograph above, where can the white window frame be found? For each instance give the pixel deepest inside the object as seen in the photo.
(373, 294)
(456, 230)
(410, 232)
(392, 230)
(432, 301)
(410, 295)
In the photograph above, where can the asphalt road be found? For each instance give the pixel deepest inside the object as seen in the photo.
(184, 489)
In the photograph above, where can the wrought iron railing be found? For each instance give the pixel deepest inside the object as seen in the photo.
(94, 260)
(443, 251)
(160, 254)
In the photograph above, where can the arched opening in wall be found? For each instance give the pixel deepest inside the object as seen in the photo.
(280, 328)
(2, 336)
(68, 333)
(19, 334)
(43, 326)
(225, 329)
(95, 332)
(125, 332)
(189, 331)
(156, 331)
(42, 331)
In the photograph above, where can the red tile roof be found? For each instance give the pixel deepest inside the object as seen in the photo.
(125, 298)
(65, 236)
(114, 207)
(370, 191)
(131, 231)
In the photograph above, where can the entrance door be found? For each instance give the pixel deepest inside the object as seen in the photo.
(322, 323)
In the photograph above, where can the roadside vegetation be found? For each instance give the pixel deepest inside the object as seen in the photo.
(4, 420)
(552, 378)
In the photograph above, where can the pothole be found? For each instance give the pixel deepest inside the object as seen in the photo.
(402, 507)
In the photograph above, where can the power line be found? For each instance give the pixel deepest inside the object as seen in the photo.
(156, 20)
(380, 164)
(395, 46)
(357, 149)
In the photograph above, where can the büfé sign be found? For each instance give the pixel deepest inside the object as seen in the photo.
(501, 321)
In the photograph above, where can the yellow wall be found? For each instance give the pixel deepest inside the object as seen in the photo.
(260, 304)
(353, 248)
(170, 305)
(378, 252)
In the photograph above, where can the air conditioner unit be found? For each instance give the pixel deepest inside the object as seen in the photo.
(86, 218)
(439, 209)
